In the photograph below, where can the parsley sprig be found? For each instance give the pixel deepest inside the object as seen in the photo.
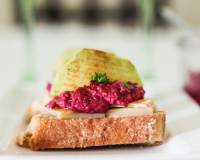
(100, 78)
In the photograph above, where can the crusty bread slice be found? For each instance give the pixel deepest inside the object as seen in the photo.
(46, 132)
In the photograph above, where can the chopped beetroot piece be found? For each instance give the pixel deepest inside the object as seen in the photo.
(48, 87)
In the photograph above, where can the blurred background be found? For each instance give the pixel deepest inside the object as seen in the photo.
(160, 36)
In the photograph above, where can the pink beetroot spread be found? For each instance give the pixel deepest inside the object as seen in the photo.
(97, 97)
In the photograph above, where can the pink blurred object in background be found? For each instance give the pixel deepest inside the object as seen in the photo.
(190, 46)
(192, 86)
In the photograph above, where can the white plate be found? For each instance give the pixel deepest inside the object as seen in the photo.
(183, 127)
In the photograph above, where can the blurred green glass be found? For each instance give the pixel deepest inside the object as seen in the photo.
(26, 8)
(147, 11)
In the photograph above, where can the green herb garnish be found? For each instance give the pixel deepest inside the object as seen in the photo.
(100, 78)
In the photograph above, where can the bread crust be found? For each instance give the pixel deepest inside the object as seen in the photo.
(50, 133)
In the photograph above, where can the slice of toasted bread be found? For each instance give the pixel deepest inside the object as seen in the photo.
(46, 132)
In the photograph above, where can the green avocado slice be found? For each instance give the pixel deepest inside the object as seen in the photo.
(76, 68)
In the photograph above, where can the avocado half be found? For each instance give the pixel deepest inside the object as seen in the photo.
(75, 68)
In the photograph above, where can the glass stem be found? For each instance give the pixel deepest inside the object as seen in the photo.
(28, 59)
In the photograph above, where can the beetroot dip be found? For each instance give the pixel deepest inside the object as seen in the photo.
(98, 97)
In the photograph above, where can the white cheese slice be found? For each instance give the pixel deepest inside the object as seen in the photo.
(141, 107)
(38, 107)
(123, 112)
(139, 103)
